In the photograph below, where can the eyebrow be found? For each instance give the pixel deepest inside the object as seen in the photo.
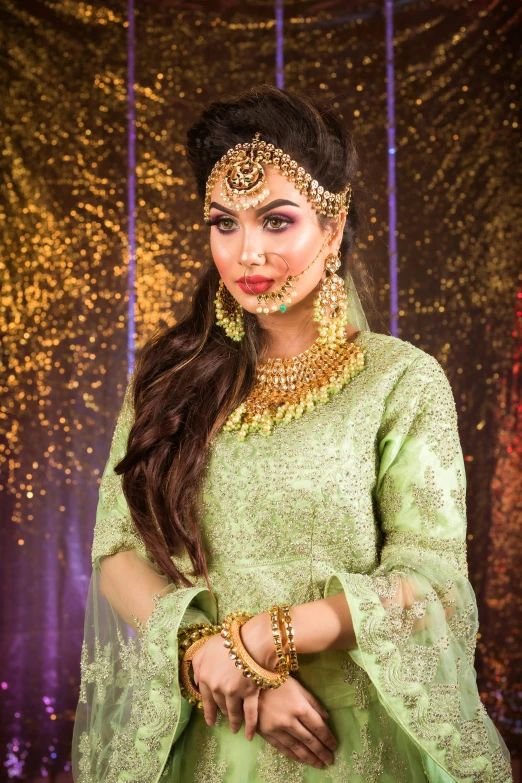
(279, 202)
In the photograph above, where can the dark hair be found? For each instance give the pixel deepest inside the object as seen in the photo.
(190, 376)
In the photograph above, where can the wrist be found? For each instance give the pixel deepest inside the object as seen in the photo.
(256, 635)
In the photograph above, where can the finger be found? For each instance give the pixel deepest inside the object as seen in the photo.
(235, 713)
(250, 707)
(209, 705)
(313, 722)
(312, 741)
(221, 703)
(280, 747)
(195, 673)
(302, 751)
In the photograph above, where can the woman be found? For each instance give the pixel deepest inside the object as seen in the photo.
(275, 457)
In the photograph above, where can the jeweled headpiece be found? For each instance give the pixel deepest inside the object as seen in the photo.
(244, 181)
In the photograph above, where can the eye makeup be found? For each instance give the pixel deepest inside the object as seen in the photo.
(283, 218)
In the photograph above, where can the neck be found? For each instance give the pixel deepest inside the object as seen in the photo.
(292, 332)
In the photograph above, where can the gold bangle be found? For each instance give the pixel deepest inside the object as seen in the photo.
(289, 631)
(282, 663)
(190, 639)
(230, 632)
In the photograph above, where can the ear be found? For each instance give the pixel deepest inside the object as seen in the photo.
(337, 230)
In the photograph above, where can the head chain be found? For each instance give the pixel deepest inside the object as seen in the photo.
(261, 152)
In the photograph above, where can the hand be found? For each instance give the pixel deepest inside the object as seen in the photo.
(292, 720)
(223, 685)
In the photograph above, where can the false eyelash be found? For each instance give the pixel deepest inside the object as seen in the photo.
(217, 220)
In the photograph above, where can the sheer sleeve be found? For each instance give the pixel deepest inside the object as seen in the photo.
(415, 616)
(130, 710)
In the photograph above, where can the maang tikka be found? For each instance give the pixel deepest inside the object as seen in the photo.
(244, 181)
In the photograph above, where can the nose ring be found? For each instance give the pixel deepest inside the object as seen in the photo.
(265, 254)
(276, 254)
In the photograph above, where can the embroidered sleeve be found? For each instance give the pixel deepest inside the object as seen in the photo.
(130, 711)
(114, 530)
(415, 616)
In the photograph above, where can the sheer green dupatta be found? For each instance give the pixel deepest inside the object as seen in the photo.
(130, 710)
(415, 617)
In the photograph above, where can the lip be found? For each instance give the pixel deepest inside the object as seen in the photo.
(255, 288)
(254, 279)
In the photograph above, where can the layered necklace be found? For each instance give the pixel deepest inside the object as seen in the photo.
(284, 389)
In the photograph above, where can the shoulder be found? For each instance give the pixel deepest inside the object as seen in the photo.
(399, 366)
(386, 350)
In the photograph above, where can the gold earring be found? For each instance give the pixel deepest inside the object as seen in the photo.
(331, 304)
(229, 313)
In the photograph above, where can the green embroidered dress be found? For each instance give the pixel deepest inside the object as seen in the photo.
(365, 494)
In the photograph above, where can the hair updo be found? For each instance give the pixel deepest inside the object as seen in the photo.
(190, 376)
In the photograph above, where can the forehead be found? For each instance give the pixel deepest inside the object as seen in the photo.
(278, 185)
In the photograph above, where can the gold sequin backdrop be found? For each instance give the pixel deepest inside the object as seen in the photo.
(64, 274)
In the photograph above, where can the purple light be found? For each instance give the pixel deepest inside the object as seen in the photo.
(280, 67)
(131, 188)
(4, 686)
(392, 192)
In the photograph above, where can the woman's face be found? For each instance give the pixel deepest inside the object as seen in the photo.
(247, 243)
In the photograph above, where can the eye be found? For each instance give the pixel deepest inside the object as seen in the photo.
(278, 219)
(226, 224)
(220, 221)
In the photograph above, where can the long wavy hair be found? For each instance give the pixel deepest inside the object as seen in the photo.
(190, 376)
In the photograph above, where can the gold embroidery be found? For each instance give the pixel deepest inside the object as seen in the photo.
(428, 498)
(395, 764)
(340, 770)
(466, 758)
(115, 534)
(442, 705)
(273, 767)
(368, 763)
(110, 488)
(98, 672)
(207, 770)
(356, 676)
(420, 548)
(391, 503)
(459, 495)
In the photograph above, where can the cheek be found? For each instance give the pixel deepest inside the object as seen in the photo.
(221, 255)
(300, 246)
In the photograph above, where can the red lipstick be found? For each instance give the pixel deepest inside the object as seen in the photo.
(257, 284)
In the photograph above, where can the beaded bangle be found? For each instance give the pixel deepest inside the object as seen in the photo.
(230, 632)
(282, 664)
(190, 639)
(289, 630)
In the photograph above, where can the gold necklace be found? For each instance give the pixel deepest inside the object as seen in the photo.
(285, 388)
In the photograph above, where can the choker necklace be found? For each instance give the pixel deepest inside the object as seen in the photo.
(285, 388)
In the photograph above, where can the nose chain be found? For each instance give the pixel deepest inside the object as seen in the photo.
(283, 297)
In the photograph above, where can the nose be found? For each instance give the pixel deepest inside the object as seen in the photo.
(250, 252)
